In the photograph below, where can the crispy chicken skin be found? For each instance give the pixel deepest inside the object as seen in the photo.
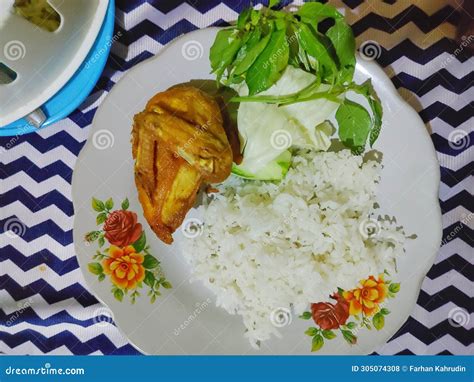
(178, 142)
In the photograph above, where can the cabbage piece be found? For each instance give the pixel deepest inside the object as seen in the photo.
(267, 130)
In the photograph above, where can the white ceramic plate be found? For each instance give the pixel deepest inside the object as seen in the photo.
(184, 319)
(44, 61)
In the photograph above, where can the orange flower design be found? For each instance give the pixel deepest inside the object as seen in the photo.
(367, 297)
(124, 266)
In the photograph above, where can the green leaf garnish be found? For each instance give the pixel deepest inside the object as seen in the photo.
(343, 41)
(354, 125)
(268, 67)
(224, 49)
(125, 204)
(259, 48)
(273, 3)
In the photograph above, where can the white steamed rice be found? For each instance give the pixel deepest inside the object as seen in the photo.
(269, 247)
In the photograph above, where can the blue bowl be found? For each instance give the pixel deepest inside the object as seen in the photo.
(78, 87)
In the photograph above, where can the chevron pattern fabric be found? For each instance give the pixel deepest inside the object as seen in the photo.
(45, 306)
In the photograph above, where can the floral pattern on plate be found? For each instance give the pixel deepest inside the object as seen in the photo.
(126, 260)
(363, 303)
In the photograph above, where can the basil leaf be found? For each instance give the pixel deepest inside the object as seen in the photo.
(268, 67)
(273, 3)
(313, 13)
(315, 46)
(251, 55)
(255, 16)
(368, 91)
(343, 41)
(223, 51)
(354, 125)
(243, 18)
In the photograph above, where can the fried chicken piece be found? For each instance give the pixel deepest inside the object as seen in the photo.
(178, 142)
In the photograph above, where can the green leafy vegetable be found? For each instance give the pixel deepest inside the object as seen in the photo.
(269, 65)
(342, 39)
(224, 49)
(368, 91)
(354, 125)
(273, 3)
(250, 54)
(313, 13)
(317, 47)
(256, 53)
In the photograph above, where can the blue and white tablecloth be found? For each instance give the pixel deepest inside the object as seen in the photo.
(45, 306)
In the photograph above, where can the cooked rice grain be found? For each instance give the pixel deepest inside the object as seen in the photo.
(267, 246)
